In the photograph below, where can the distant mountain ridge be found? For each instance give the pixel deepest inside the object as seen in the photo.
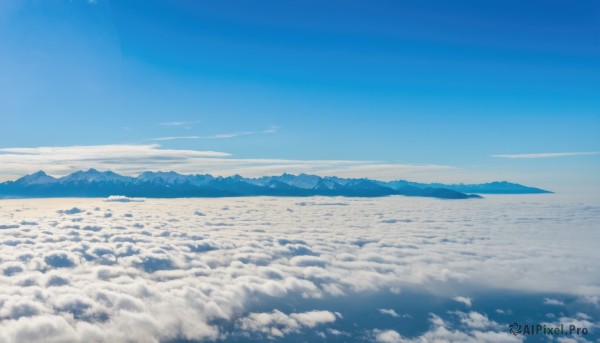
(94, 183)
(496, 187)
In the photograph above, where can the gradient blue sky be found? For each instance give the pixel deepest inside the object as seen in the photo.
(424, 90)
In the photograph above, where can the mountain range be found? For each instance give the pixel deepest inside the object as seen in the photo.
(94, 183)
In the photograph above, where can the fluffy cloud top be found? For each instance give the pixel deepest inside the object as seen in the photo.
(278, 324)
(152, 271)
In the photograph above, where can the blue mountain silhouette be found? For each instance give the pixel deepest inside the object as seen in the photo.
(94, 183)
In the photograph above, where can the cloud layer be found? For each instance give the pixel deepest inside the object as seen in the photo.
(134, 159)
(89, 270)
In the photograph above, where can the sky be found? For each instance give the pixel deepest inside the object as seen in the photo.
(461, 91)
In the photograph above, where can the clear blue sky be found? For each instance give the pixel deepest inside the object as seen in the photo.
(442, 83)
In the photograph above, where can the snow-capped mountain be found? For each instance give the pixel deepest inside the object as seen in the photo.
(93, 175)
(168, 178)
(328, 184)
(39, 178)
(94, 183)
(304, 181)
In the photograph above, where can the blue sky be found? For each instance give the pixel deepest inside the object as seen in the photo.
(422, 90)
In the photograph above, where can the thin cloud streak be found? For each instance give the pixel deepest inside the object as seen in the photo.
(547, 155)
(134, 159)
(178, 123)
(218, 136)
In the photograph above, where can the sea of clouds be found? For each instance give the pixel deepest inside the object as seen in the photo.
(392, 269)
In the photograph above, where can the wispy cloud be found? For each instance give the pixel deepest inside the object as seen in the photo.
(220, 135)
(463, 300)
(550, 301)
(134, 159)
(178, 123)
(548, 154)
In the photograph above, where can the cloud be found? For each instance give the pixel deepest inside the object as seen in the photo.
(550, 301)
(464, 300)
(548, 155)
(116, 151)
(279, 324)
(178, 123)
(154, 271)
(219, 135)
(387, 336)
(121, 198)
(580, 320)
(441, 331)
(389, 312)
(134, 159)
(476, 320)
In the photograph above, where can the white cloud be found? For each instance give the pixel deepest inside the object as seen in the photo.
(121, 198)
(464, 300)
(95, 152)
(388, 336)
(550, 301)
(64, 160)
(134, 159)
(279, 324)
(580, 320)
(441, 331)
(219, 135)
(476, 320)
(179, 123)
(389, 312)
(547, 155)
(155, 271)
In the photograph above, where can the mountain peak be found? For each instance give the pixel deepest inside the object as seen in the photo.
(37, 178)
(172, 184)
(93, 175)
(162, 177)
